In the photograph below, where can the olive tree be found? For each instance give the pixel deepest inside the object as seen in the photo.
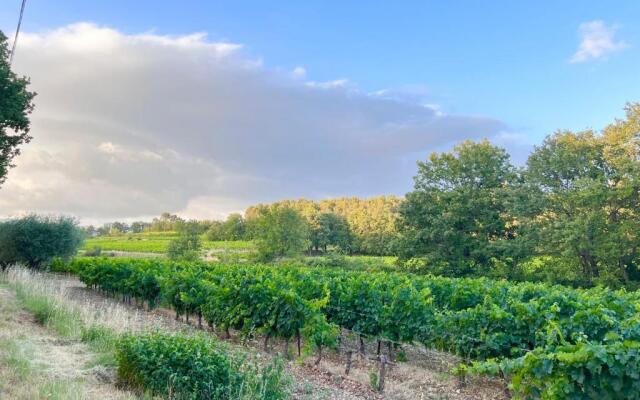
(35, 240)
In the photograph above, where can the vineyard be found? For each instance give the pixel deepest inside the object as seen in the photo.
(546, 341)
(199, 369)
(155, 242)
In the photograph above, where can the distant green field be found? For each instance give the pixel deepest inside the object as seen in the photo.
(156, 242)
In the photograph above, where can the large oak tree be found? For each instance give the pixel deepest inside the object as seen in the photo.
(583, 198)
(457, 217)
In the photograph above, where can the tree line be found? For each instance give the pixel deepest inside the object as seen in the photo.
(349, 225)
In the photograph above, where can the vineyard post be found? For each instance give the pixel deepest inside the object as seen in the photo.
(507, 392)
(462, 378)
(319, 355)
(286, 348)
(348, 367)
(383, 371)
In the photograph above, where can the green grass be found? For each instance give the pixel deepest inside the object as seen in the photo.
(99, 338)
(13, 357)
(382, 260)
(66, 323)
(155, 242)
(61, 390)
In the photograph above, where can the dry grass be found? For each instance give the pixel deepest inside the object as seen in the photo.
(66, 315)
(34, 364)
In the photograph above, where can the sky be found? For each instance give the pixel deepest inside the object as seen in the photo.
(204, 108)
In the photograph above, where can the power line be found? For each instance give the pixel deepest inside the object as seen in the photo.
(15, 38)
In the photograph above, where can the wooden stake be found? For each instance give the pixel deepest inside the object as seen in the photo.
(348, 368)
(383, 371)
(319, 355)
(286, 349)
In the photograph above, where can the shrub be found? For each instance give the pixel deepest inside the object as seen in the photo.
(95, 252)
(195, 367)
(35, 240)
(187, 245)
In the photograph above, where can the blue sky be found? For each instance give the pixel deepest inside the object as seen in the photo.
(319, 99)
(505, 59)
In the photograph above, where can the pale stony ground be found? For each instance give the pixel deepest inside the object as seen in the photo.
(35, 364)
(424, 376)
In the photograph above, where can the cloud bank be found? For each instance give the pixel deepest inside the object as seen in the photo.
(129, 126)
(597, 40)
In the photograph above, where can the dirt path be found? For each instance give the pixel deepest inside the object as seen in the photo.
(36, 364)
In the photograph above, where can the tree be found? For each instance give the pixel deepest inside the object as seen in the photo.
(103, 230)
(215, 231)
(166, 222)
(118, 228)
(187, 246)
(233, 228)
(16, 103)
(328, 229)
(139, 226)
(281, 231)
(372, 222)
(36, 241)
(89, 231)
(583, 198)
(457, 217)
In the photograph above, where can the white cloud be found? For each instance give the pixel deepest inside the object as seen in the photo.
(133, 125)
(121, 153)
(299, 72)
(597, 41)
(333, 84)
